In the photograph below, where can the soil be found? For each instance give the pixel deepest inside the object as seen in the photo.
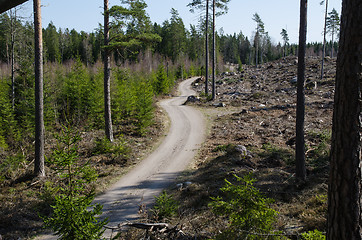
(251, 129)
(256, 108)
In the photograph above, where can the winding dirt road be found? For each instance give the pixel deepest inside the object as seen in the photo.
(138, 187)
(156, 172)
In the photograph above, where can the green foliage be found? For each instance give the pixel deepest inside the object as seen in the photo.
(24, 111)
(240, 66)
(131, 28)
(161, 84)
(277, 153)
(75, 95)
(133, 101)
(318, 153)
(116, 149)
(7, 123)
(224, 148)
(144, 106)
(313, 235)
(165, 206)
(10, 166)
(248, 211)
(72, 218)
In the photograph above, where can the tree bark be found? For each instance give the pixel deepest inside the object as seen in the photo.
(300, 148)
(344, 221)
(39, 169)
(107, 76)
(207, 49)
(213, 50)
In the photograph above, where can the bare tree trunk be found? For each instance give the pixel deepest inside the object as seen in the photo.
(324, 39)
(256, 48)
(207, 49)
(332, 44)
(107, 76)
(39, 169)
(213, 51)
(300, 148)
(344, 221)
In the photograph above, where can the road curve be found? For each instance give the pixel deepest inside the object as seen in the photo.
(139, 186)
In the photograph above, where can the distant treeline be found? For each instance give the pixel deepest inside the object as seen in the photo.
(177, 42)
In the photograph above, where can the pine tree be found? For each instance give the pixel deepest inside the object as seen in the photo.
(259, 31)
(324, 36)
(333, 25)
(285, 37)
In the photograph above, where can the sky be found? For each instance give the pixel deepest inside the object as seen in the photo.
(85, 15)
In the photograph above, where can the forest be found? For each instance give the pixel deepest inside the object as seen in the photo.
(147, 62)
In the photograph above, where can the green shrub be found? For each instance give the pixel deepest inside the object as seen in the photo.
(248, 212)
(224, 148)
(313, 235)
(165, 206)
(161, 84)
(11, 165)
(240, 66)
(144, 106)
(74, 216)
(277, 153)
(104, 146)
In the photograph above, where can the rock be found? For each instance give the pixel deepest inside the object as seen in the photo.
(270, 66)
(181, 186)
(200, 79)
(192, 98)
(244, 111)
(311, 85)
(219, 104)
(243, 151)
(294, 80)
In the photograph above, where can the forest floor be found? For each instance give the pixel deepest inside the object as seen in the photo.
(256, 109)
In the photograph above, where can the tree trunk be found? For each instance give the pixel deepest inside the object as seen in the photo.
(324, 39)
(300, 148)
(213, 50)
(345, 183)
(207, 49)
(332, 44)
(12, 33)
(39, 169)
(107, 76)
(256, 48)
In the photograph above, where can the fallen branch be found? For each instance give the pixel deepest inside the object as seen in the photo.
(152, 227)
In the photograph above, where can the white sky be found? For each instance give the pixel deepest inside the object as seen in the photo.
(276, 14)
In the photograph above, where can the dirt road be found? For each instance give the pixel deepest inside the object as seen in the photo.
(121, 202)
(138, 187)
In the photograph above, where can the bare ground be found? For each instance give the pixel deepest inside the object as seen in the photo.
(256, 109)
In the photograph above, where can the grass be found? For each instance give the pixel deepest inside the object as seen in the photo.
(277, 155)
